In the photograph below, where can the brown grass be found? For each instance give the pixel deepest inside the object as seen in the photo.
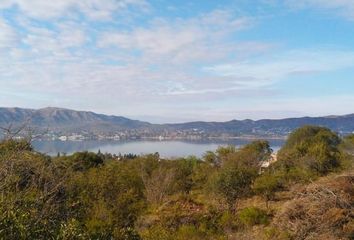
(321, 210)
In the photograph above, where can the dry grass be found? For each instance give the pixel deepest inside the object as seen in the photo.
(322, 210)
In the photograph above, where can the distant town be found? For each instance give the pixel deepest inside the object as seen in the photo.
(192, 134)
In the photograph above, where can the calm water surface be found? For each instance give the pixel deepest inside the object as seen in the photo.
(168, 149)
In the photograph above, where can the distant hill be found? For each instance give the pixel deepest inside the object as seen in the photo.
(59, 119)
(342, 124)
(68, 121)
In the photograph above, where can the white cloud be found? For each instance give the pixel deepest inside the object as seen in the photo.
(71, 35)
(8, 35)
(162, 39)
(42, 42)
(342, 7)
(164, 67)
(267, 108)
(180, 37)
(150, 66)
(310, 106)
(267, 70)
(95, 9)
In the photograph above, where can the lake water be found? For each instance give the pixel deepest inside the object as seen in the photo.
(168, 149)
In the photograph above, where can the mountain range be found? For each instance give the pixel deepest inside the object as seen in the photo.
(59, 120)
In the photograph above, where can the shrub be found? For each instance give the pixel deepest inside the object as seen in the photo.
(211, 158)
(12, 145)
(71, 230)
(85, 160)
(228, 222)
(322, 210)
(233, 183)
(189, 232)
(183, 169)
(266, 185)
(108, 200)
(253, 216)
(250, 155)
(312, 148)
(157, 232)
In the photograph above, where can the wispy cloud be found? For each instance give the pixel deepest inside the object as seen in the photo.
(80, 54)
(160, 59)
(94, 9)
(181, 40)
(343, 8)
(8, 35)
(274, 67)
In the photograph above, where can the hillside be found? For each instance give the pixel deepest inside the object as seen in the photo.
(65, 120)
(269, 126)
(59, 119)
(306, 194)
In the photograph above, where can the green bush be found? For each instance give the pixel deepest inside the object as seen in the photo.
(157, 232)
(228, 222)
(266, 185)
(253, 216)
(312, 148)
(85, 160)
(11, 145)
(233, 183)
(72, 230)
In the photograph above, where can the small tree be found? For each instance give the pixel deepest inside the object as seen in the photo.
(233, 183)
(183, 169)
(159, 184)
(223, 153)
(266, 185)
(85, 160)
(211, 158)
(312, 148)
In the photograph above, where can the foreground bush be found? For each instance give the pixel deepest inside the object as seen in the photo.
(96, 196)
(267, 185)
(253, 216)
(323, 210)
(312, 148)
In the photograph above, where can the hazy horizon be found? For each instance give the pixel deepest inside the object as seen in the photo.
(178, 61)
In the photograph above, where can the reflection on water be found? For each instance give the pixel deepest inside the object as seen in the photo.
(165, 148)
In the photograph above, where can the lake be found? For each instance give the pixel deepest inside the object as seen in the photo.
(167, 149)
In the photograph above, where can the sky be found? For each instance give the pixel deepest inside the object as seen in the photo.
(178, 60)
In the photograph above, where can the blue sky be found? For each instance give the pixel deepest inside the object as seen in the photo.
(175, 61)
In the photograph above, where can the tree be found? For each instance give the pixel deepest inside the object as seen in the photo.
(31, 193)
(233, 183)
(348, 144)
(250, 155)
(107, 200)
(253, 154)
(158, 185)
(183, 168)
(81, 161)
(239, 168)
(211, 158)
(11, 145)
(223, 153)
(266, 185)
(313, 148)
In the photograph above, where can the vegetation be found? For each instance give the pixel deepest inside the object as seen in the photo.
(312, 149)
(252, 216)
(306, 194)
